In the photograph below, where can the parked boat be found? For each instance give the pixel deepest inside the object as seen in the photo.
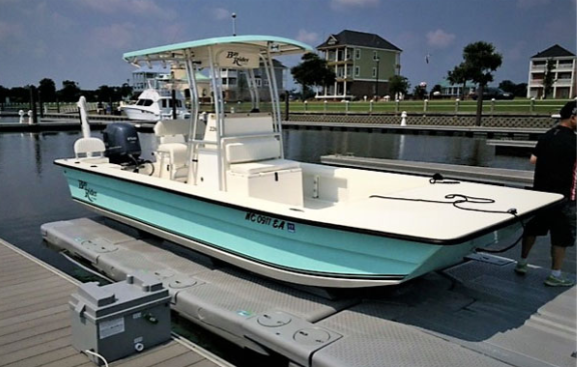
(156, 103)
(221, 185)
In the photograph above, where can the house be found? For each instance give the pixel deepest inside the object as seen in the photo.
(564, 70)
(141, 76)
(363, 64)
(449, 90)
(235, 82)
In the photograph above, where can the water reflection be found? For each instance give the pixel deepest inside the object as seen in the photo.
(310, 145)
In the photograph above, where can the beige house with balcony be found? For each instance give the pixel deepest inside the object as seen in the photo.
(362, 62)
(564, 70)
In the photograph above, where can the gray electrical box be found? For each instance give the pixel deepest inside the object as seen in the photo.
(120, 319)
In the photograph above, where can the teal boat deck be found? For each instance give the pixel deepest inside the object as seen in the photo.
(35, 321)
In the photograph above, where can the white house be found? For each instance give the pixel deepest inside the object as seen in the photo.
(564, 70)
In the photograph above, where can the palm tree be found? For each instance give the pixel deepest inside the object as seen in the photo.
(481, 61)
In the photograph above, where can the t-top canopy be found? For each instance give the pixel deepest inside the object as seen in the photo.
(234, 52)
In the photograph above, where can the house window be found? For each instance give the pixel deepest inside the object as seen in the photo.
(357, 71)
(375, 55)
(374, 72)
(357, 53)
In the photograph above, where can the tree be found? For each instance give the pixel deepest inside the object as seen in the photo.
(508, 86)
(398, 84)
(521, 90)
(548, 78)
(312, 71)
(69, 92)
(104, 93)
(4, 93)
(481, 61)
(47, 89)
(420, 92)
(125, 91)
(459, 75)
(518, 90)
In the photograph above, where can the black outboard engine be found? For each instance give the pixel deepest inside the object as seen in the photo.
(122, 144)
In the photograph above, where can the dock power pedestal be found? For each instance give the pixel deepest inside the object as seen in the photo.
(120, 319)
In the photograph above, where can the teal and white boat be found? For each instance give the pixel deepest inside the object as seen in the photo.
(222, 186)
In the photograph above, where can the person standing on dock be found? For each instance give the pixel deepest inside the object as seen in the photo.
(555, 171)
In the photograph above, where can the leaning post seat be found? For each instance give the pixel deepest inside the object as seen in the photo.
(172, 149)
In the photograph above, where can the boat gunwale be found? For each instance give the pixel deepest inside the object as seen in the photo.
(423, 240)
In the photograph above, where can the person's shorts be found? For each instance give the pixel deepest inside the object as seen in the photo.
(561, 221)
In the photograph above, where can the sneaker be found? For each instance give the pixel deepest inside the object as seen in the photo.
(521, 269)
(553, 281)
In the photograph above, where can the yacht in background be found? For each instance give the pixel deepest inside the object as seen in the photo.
(155, 103)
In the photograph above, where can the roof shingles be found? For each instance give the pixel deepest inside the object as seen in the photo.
(354, 38)
(553, 51)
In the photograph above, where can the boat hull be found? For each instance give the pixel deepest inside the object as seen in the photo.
(284, 248)
(140, 114)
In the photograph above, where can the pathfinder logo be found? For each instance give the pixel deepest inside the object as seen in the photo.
(237, 59)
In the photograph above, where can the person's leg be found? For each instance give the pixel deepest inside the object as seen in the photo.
(557, 257)
(527, 245)
(562, 236)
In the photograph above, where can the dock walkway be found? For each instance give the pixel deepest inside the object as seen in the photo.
(35, 321)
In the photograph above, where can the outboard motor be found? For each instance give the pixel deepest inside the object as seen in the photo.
(122, 144)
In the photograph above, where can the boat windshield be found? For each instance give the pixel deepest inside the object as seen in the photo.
(144, 102)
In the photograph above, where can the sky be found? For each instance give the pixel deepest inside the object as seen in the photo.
(83, 40)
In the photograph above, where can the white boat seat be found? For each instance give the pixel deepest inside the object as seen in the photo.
(271, 165)
(90, 148)
(172, 148)
(252, 149)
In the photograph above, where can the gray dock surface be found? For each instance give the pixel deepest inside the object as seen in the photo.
(498, 176)
(35, 327)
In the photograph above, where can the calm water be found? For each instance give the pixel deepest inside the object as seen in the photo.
(309, 145)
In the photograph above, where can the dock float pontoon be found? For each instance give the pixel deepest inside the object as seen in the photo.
(477, 313)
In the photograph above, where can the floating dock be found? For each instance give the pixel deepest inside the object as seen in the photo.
(35, 321)
(498, 176)
(480, 131)
(478, 313)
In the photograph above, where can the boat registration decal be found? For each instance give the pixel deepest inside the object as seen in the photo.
(270, 221)
(89, 193)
